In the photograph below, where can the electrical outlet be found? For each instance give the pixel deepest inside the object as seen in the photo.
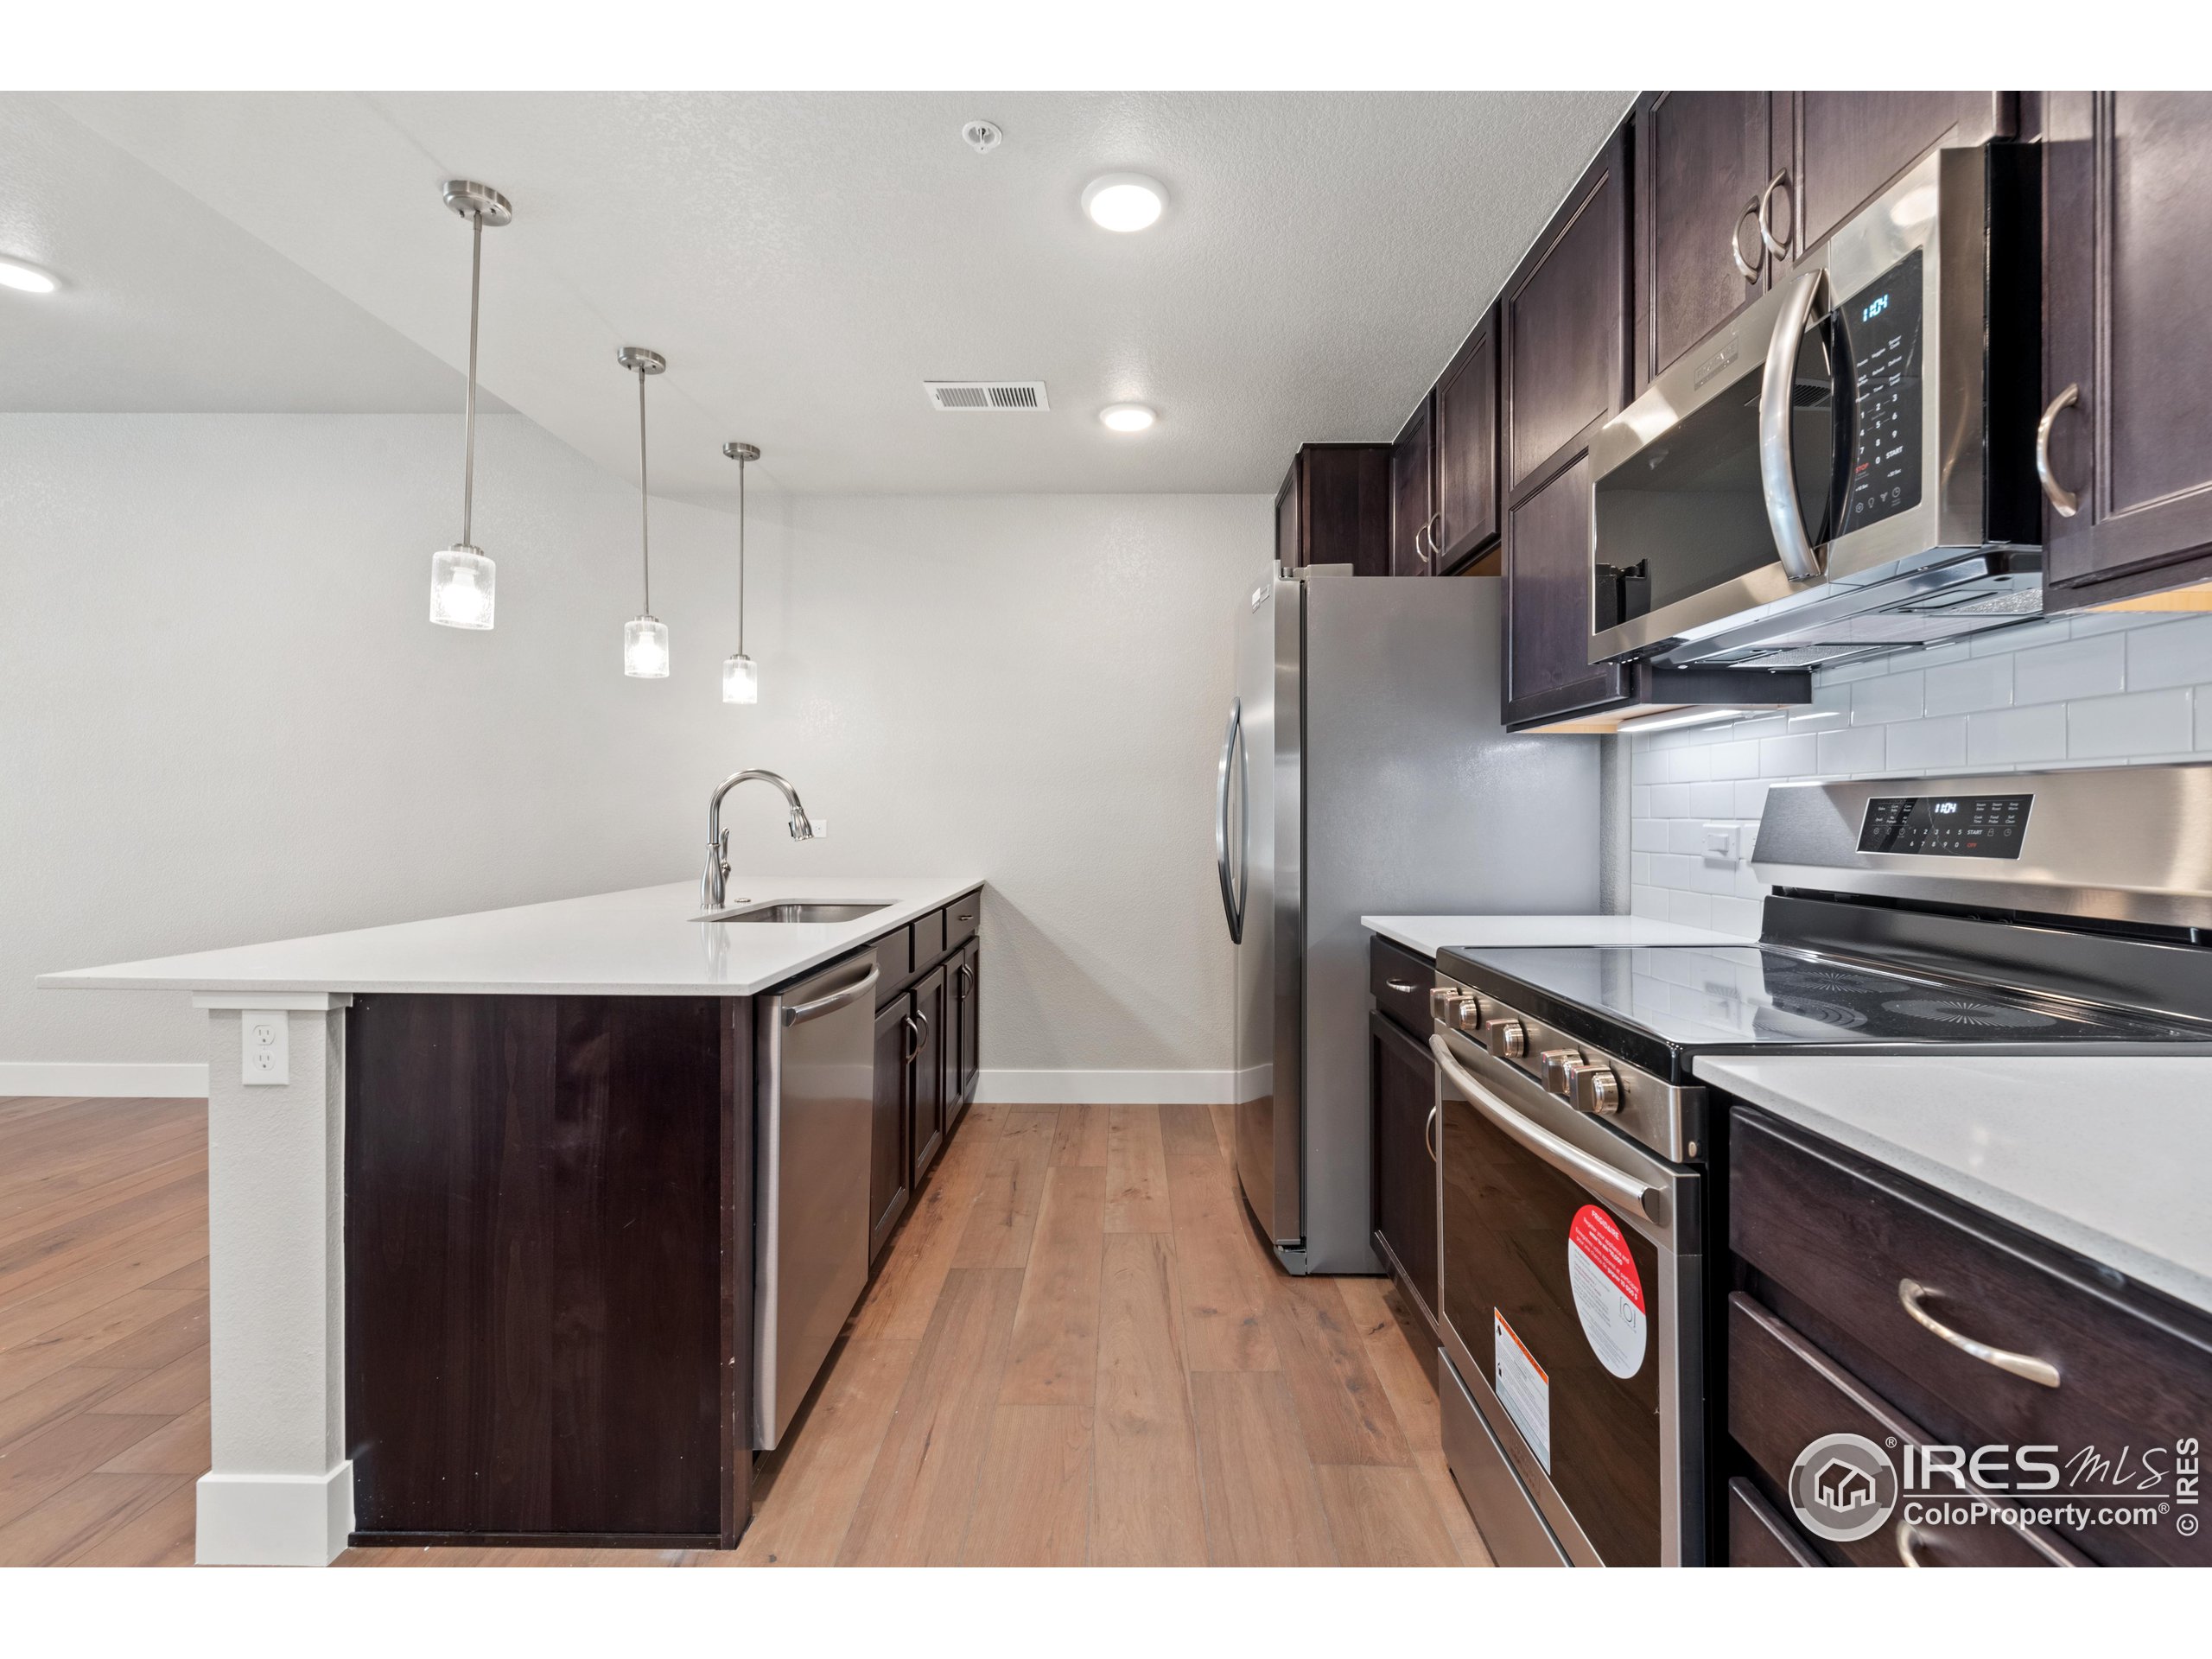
(264, 1041)
(1720, 840)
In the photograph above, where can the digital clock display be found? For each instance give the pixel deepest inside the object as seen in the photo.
(1946, 826)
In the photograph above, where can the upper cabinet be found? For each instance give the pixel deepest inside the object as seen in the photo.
(1702, 162)
(1834, 151)
(1334, 508)
(2127, 373)
(1413, 511)
(1464, 427)
(1563, 325)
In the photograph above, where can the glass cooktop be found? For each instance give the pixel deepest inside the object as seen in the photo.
(1754, 995)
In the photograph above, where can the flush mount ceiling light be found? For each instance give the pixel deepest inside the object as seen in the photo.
(740, 678)
(27, 279)
(461, 576)
(1126, 417)
(644, 637)
(1124, 201)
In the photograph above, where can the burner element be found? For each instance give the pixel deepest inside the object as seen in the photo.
(1824, 1014)
(1941, 1012)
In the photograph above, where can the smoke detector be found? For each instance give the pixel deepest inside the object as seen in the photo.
(987, 397)
(982, 137)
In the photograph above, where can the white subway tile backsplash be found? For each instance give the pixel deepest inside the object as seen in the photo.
(1712, 800)
(1671, 800)
(2141, 723)
(2017, 737)
(2093, 667)
(1737, 916)
(2173, 653)
(1737, 760)
(1999, 642)
(1857, 748)
(1648, 834)
(1894, 697)
(1691, 909)
(1640, 800)
(1648, 901)
(1685, 835)
(1968, 686)
(1927, 745)
(1751, 800)
(1787, 757)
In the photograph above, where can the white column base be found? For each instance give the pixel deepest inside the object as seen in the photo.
(275, 1520)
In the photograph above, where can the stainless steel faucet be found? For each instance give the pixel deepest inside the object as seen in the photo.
(713, 884)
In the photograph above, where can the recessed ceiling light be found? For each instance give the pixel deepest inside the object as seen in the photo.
(1126, 417)
(1124, 201)
(30, 278)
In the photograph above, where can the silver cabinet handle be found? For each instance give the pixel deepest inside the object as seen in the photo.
(1403, 986)
(1428, 1131)
(1750, 268)
(1435, 547)
(1565, 1156)
(2063, 501)
(1908, 1544)
(2039, 1371)
(913, 1039)
(1778, 468)
(1780, 181)
(1232, 749)
(799, 1012)
(1420, 552)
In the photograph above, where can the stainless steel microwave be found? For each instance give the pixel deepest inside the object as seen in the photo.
(1847, 466)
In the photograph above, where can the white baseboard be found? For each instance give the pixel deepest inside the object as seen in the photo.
(1107, 1088)
(104, 1079)
(274, 1520)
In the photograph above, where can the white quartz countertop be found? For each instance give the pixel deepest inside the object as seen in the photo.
(2104, 1156)
(641, 942)
(1429, 934)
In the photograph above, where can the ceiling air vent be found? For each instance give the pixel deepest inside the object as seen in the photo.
(987, 397)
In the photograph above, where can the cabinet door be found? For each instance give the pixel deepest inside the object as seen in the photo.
(1845, 147)
(925, 1083)
(1288, 554)
(2127, 234)
(971, 1021)
(1465, 437)
(1402, 1084)
(1344, 506)
(1547, 543)
(1411, 497)
(889, 1173)
(1701, 161)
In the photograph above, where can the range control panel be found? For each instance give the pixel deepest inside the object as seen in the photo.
(1882, 334)
(1950, 826)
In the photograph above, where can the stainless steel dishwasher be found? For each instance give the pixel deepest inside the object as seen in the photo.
(815, 1065)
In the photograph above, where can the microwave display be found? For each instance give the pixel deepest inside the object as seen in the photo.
(1880, 326)
(1951, 826)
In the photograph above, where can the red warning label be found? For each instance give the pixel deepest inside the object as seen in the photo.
(1608, 1292)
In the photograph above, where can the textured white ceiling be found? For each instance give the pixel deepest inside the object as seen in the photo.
(805, 261)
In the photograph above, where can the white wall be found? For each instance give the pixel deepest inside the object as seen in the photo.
(2087, 691)
(224, 716)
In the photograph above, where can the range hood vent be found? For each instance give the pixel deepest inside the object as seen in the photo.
(987, 397)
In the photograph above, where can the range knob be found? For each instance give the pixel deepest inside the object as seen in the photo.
(1593, 1088)
(1552, 1065)
(1465, 1013)
(1508, 1038)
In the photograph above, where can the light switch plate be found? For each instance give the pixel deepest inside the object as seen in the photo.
(1720, 840)
(266, 1048)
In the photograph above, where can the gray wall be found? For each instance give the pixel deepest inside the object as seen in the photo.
(224, 716)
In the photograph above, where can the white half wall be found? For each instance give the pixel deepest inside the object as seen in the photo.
(227, 719)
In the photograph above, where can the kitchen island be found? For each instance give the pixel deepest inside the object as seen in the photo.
(481, 1200)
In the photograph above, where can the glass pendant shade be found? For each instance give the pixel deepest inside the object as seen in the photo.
(461, 587)
(645, 648)
(741, 679)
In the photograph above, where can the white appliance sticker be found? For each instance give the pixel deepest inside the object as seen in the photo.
(1608, 1292)
(1523, 1389)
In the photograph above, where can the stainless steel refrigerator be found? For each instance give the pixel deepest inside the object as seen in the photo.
(1365, 772)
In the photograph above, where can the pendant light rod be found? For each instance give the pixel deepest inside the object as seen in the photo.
(468, 417)
(462, 576)
(740, 453)
(644, 361)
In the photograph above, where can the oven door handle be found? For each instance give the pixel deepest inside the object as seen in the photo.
(1565, 1156)
(1778, 468)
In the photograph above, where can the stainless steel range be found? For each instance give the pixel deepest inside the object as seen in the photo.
(2061, 913)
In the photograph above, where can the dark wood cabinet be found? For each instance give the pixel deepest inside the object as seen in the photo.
(2127, 180)
(1464, 439)
(1702, 160)
(1334, 508)
(890, 1171)
(926, 1065)
(1402, 1091)
(1548, 677)
(1835, 150)
(1412, 497)
(965, 1064)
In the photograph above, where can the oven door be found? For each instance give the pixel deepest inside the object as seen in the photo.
(1571, 1308)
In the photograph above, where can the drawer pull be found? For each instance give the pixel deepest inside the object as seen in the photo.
(1910, 1291)
(1909, 1545)
(1403, 987)
(1428, 1130)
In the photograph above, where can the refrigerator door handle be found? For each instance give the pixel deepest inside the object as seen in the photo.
(1233, 888)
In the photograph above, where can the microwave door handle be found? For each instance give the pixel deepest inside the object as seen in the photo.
(1565, 1156)
(1778, 469)
(1230, 907)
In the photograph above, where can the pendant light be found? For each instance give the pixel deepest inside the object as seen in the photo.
(462, 575)
(644, 638)
(740, 678)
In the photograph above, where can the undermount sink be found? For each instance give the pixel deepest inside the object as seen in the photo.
(793, 910)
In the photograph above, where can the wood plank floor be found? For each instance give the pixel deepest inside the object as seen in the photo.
(1078, 1350)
